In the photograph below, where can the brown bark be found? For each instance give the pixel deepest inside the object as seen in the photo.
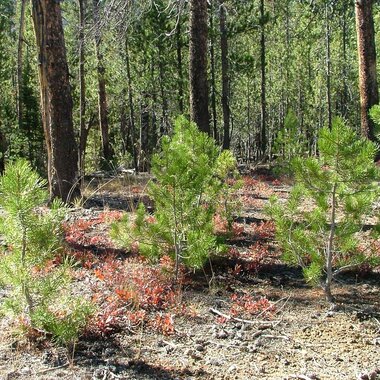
(328, 66)
(132, 125)
(225, 76)
(263, 104)
(102, 95)
(179, 65)
(82, 91)
(164, 118)
(344, 92)
(213, 79)
(3, 149)
(20, 51)
(368, 87)
(56, 100)
(199, 112)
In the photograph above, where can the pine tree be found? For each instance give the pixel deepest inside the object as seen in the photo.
(189, 188)
(319, 226)
(38, 291)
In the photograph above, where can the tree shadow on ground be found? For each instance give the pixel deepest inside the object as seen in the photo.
(107, 357)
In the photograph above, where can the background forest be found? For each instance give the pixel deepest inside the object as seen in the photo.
(266, 60)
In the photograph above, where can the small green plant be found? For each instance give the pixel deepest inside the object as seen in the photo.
(190, 187)
(36, 282)
(318, 227)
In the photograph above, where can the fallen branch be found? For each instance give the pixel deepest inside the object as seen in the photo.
(231, 318)
(284, 337)
(52, 369)
(301, 377)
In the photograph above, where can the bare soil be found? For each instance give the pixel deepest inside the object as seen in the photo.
(300, 338)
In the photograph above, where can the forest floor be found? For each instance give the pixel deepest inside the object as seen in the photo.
(257, 320)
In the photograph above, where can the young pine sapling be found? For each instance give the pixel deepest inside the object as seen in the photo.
(190, 187)
(319, 226)
(37, 289)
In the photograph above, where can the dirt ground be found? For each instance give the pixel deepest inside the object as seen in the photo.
(297, 337)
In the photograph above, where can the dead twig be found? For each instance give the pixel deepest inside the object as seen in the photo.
(52, 369)
(231, 318)
(283, 337)
(301, 377)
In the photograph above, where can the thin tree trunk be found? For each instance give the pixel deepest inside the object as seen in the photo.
(179, 66)
(102, 95)
(82, 90)
(198, 65)
(213, 80)
(164, 102)
(344, 96)
(131, 108)
(328, 65)
(225, 76)
(3, 149)
(123, 122)
(20, 65)
(263, 121)
(368, 87)
(330, 249)
(56, 100)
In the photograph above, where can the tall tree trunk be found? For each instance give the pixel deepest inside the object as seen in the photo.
(131, 108)
(20, 65)
(328, 65)
(102, 95)
(198, 65)
(369, 93)
(263, 106)
(82, 90)
(3, 149)
(164, 101)
(225, 76)
(213, 80)
(56, 100)
(179, 65)
(344, 94)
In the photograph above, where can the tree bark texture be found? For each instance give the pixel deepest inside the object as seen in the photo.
(225, 76)
(3, 149)
(102, 95)
(179, 65)
(213, 79)
(20, 50)
(82, 90)
(132, 126)
(368, 87)
(328, 65)
(199, 112)
(56, 100)
(263, 106)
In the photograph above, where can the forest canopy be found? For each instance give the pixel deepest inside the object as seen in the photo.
(238, 69)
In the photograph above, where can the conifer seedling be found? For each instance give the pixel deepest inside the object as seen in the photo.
(38, 291)
(319, 226)
(189, 187)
